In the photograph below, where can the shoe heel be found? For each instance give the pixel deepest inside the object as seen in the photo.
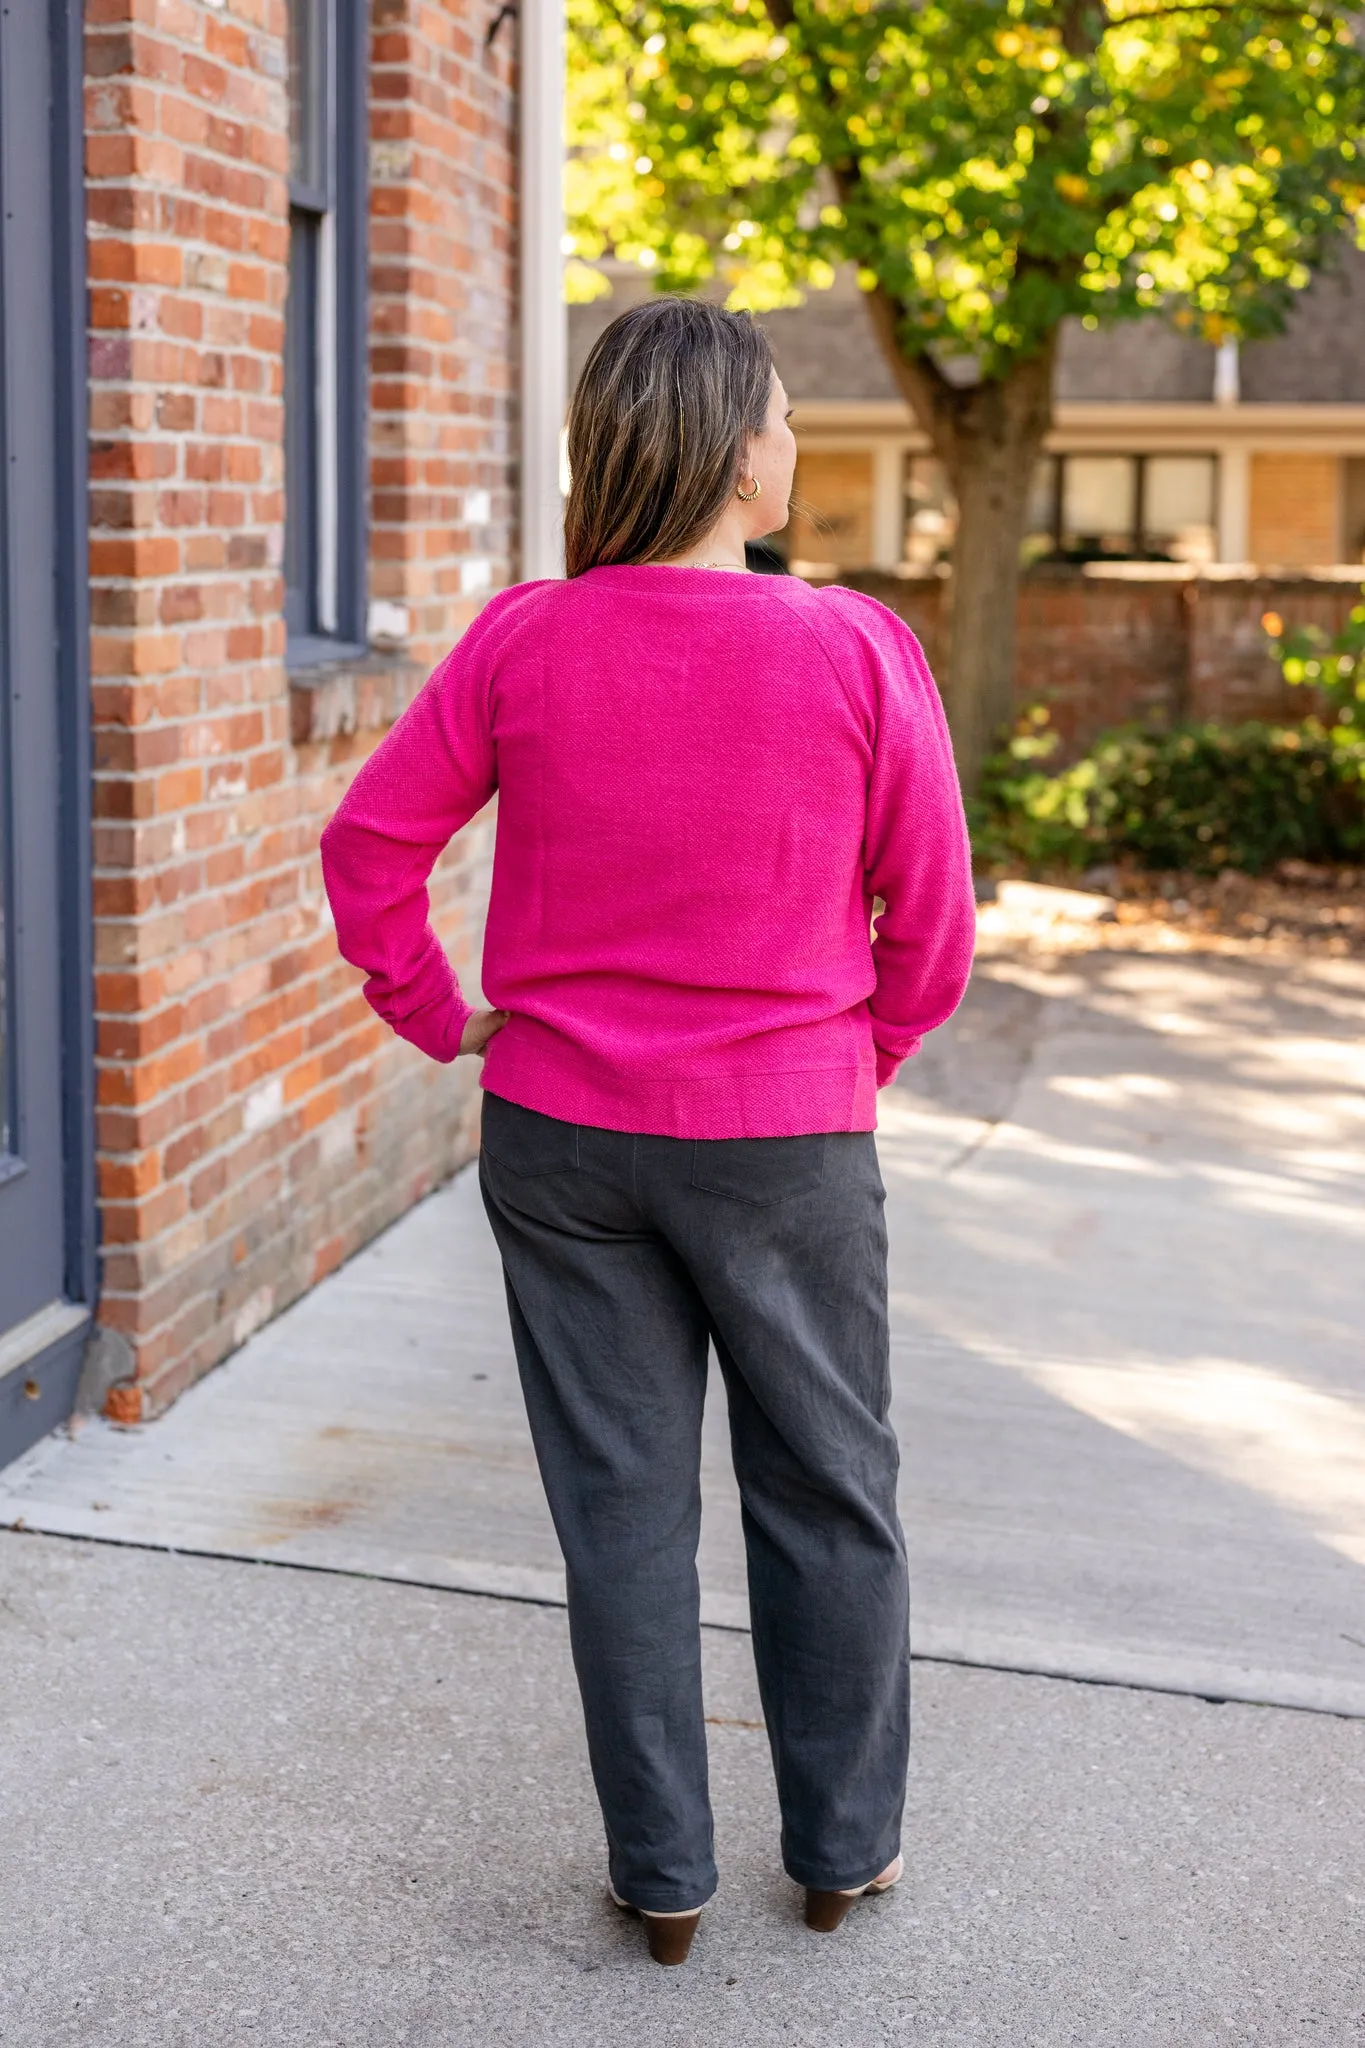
(826, 1910)
(670, 1935)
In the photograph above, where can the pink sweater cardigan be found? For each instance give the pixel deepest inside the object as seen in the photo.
(703, 781)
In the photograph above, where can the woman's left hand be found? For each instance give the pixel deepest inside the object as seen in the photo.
(480, 1026)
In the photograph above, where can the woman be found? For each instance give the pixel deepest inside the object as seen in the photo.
(705, 777)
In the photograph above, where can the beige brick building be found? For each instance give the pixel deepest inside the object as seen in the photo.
(1163, 448)
(1184, 492)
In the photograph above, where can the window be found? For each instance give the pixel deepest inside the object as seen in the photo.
(1099, 504)
(930, 514)
(1178, 515)
(1086, 508)
(324, 370)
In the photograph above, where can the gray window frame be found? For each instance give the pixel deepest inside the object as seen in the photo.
(326, 451)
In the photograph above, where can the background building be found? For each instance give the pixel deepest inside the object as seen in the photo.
(293, 231)
(1163, 447)
(1184, 491)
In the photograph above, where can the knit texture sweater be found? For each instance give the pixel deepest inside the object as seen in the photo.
(704, 780)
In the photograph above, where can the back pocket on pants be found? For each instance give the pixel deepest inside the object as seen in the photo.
(526, 1142)
(758, 1170)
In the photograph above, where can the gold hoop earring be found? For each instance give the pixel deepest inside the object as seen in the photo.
(747, 497)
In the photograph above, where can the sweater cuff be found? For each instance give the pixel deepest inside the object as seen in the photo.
(435, 1026)
(889, 1064)
(887, 1068)
(437, 1029)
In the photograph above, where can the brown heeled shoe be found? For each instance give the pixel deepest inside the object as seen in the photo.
(669, 1934)
(825, 1910)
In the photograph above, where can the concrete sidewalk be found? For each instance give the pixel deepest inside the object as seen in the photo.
(302, 1788)
(1127, 1209)
(247, 1805)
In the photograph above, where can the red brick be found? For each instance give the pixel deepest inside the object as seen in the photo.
(124, 1180)
(123, 1402)
(148, 555)
(131, 459)
(216, 978)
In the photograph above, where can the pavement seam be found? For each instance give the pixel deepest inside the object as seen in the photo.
(1012, 1668)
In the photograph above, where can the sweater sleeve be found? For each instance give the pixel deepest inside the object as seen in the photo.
(916, 854)
(425, 779)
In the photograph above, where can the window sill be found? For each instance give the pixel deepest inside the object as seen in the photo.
(307, 651)
(336, 691)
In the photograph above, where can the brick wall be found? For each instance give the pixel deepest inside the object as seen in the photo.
(1294, 511)
(1102, 649)
(839, 483)
(256, 1123)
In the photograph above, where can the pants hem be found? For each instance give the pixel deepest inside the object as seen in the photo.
(660, 1904)
(816, 1877)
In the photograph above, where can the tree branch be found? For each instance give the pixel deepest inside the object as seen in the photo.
(932, 399)
(1077, 38)
(1210, 7)
(927, 392)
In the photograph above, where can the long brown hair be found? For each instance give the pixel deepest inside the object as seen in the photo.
(665, 407)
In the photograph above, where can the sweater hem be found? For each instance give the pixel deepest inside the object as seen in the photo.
(793, 1103)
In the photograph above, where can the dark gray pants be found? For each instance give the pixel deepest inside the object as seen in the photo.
(623, 1256)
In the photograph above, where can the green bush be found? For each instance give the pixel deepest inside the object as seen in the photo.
(1334, 668)
(1195, 797)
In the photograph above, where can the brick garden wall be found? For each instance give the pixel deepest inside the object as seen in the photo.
(256, 1124)
(1100, 649)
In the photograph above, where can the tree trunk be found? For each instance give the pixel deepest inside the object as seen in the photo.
(988, 437)
(990, 458)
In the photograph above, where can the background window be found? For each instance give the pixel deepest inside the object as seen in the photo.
(1044, 510)
(930, 514)
(324, 380)
(1178, 507)
(1086, 508)
(1099, 504)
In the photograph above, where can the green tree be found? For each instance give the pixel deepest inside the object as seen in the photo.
(989, 167)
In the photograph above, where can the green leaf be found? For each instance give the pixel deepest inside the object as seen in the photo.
(994, 168)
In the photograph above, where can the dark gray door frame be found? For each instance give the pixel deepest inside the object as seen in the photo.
(37, 1390)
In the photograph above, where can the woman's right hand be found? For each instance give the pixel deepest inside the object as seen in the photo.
(480, 1026)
